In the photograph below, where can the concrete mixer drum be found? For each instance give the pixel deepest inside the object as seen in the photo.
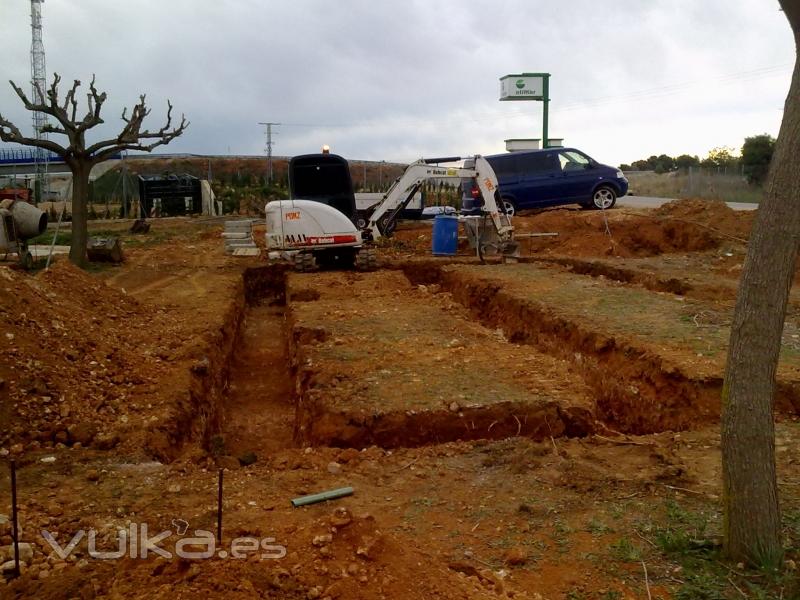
(19, 222)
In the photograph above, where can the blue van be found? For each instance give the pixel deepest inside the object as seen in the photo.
(551, 177)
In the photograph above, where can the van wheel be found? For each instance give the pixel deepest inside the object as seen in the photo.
(604, 197)
(509, 207)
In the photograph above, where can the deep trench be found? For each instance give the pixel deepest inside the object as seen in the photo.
(257, 412)
(247, 398)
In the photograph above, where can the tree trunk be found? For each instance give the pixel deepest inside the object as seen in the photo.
(80, 196)
(750, 495)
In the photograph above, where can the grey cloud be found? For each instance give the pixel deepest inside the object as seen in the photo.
(397, 80)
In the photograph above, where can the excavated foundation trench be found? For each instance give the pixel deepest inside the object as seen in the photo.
(203, 413)
(636, 391)
(595, 268)
(256, 395)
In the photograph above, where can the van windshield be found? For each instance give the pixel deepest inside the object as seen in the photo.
(572, 161)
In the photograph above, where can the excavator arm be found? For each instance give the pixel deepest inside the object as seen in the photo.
(384, 217)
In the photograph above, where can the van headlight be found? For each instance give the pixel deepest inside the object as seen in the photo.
(620, 175)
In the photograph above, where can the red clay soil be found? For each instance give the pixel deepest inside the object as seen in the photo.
(93, 364)
(493, 520)
(258, 415)
(636, 390)
(81, 360)
(714, 214)
(336, 554)
(679, 226)
(584, 233)
(471, 520)
(379, 361)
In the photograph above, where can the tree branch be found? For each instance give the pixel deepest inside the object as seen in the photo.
(11, 133)
(166, 139)
(27, 103)
(54, 129)
(52, 108)
(129, 137)
(95, 102)
(69, 100)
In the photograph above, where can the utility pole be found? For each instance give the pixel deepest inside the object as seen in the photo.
(269, 132)
(38, 83)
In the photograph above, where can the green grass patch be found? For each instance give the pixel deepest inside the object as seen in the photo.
(626, 551)
(64, 238)
(686, 537)
(597, 527)
(153, 238)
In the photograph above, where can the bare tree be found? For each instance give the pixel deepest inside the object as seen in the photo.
(79, 156)
(752, 514)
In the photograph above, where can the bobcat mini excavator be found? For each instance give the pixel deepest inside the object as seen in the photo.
(311, 232)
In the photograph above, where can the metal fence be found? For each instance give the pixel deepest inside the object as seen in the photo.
(695, 182)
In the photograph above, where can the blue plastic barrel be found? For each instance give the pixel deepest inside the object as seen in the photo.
(445, 235)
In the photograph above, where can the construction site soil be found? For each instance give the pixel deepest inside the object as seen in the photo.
(543, 430)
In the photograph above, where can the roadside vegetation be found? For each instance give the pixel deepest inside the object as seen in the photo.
(724, 174)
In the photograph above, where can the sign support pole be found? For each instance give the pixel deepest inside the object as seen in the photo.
(545, 111)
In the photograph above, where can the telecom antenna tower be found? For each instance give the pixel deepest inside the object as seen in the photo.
(38, 83)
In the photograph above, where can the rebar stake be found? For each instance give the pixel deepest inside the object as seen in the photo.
(14, 520)
(219, 509)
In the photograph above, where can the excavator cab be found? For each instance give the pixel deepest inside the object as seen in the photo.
(323, 178)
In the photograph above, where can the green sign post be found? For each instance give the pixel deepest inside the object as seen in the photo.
(529, 86)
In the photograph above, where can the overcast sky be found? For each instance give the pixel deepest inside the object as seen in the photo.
(396, 80)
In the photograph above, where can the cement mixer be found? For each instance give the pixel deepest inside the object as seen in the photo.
(20, 222)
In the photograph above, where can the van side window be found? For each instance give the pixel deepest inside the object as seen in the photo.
(572, 161)
(504, 166)
(538, 162)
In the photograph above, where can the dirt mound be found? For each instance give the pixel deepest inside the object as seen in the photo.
(81, 357)
(412, 238)
(343, 556)
(710, 213)
(616, 233)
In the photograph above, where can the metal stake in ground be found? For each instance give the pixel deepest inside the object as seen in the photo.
(219, 508)
(14, 520)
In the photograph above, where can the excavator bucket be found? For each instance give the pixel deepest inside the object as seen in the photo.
(511, 251)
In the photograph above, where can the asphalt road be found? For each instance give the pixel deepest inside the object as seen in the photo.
(648, 202)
